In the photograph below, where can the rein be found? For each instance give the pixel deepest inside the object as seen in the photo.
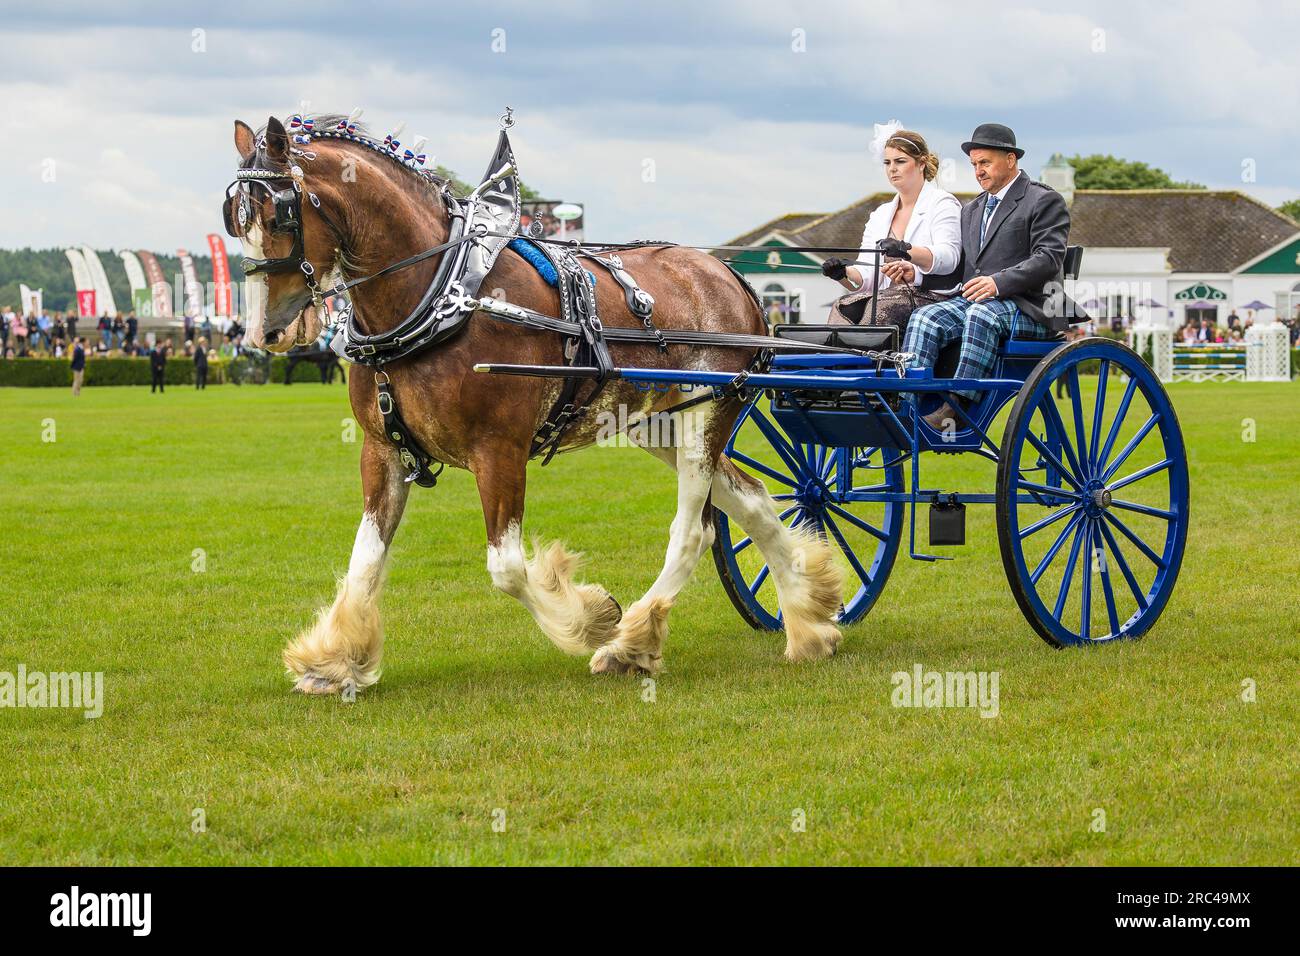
(573, 244)
(287, 204)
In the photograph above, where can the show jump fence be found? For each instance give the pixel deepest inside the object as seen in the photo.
(1264, 356)
(1210, 363)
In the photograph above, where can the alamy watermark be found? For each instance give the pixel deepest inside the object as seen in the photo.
(922, 688)
(623, 427)
(133, 911)
(73, 689)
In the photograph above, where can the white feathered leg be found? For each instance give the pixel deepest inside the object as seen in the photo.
(639, 639)
(808, 580)
(345, 643)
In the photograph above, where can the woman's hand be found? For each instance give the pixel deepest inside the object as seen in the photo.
(894, 248)
(896, 270)
(843, 273)
(835, 268)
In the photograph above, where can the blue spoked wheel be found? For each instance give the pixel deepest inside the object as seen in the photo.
(808, 491)
(1092, 500)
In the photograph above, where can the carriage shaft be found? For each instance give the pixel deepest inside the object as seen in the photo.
(848, 380)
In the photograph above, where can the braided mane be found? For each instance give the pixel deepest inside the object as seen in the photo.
(325, 126)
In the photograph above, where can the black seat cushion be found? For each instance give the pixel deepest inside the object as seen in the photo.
(860, 337)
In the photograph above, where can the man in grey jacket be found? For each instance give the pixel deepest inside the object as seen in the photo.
(1013, 244)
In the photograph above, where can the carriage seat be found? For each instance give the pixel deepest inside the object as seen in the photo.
(861, 337)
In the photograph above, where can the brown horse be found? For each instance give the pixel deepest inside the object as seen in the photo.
(374, 211)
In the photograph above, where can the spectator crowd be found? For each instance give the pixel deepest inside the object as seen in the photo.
(52, 335)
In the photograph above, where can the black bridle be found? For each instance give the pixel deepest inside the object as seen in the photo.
(285, 191)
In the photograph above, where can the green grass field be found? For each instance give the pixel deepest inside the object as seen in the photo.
(478, 719)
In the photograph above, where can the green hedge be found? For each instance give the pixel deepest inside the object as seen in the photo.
(302, 372)
(34, 372)
(56, 373)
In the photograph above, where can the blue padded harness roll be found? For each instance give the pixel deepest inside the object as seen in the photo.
(537, 259)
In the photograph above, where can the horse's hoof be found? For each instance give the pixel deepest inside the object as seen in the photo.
(812, 644)
(603, 614)
(316, 685)
(606, 661)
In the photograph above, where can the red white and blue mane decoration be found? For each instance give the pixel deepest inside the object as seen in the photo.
(303, 129)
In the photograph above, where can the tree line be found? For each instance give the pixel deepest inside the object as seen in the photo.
(49, 270)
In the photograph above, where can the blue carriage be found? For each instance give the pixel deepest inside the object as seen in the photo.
(1091, 492)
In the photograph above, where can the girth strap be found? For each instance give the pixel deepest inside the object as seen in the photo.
(587, 348)
(409, 450)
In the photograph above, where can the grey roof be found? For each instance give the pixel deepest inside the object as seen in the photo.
(786, 225)
(1205, 230)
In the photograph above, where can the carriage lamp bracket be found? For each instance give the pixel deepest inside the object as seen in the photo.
(947, 520)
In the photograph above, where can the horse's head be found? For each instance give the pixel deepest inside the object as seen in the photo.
(289, 245)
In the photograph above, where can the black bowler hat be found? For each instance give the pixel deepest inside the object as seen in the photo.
(993, 136)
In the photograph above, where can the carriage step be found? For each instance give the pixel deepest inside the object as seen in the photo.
(947, 521)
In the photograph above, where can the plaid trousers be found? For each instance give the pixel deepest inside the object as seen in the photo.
(982, 327)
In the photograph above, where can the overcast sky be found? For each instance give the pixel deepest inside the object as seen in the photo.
(135, 108)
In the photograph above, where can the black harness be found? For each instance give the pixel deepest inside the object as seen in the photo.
(480, 225)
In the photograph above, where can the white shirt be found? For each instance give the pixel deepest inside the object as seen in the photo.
(935, 224)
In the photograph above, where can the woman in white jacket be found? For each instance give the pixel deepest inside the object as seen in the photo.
(919, 231)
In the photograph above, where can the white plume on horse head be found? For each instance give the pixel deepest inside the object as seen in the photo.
(882, 134)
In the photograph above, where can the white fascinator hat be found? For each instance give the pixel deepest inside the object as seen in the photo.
(881, 135)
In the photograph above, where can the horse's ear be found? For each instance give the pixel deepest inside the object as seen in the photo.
(245, 141)
(277, 141)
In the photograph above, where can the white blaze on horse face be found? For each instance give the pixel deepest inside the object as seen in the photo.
(255, 289)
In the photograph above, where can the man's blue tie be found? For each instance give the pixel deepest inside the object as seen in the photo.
(988, 216)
